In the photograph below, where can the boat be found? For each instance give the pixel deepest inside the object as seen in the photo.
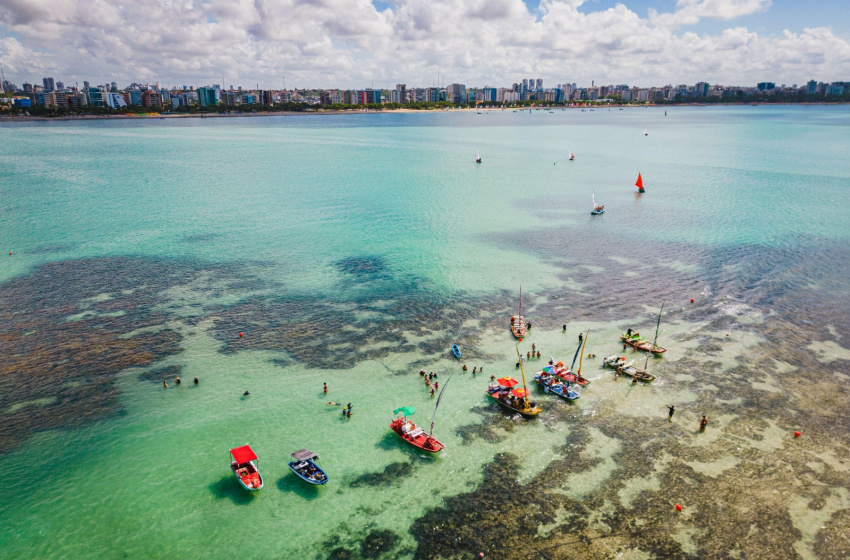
(645, 133)
(305, 467)
(636, 341)
(639, 374)
(615, 362)
(503, 392)
(572, 155)
(551, 384)
(244, 466)
(456, 351)
(478, 154)
(597, 208)
(518, 327)
(412, 434)
(639, 183)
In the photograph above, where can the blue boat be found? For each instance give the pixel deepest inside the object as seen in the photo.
(306, 469)
(456, 351)
(551, 385)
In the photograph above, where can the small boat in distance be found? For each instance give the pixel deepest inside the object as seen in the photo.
(244, 466)
(478, 154)
(639, 183)
(518, 327)
(456, 351)
(597, 208)
(307, 470)
(409, 432)
(645, 133)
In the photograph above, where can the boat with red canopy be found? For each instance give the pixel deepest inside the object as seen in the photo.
(244, 466)
(503, 392)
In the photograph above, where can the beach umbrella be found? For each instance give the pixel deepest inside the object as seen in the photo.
(520, 393)
(405, 410)
(507, 382)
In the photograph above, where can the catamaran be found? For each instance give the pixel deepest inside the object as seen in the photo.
(597, 208)
(518, 327)
(244, 466)
(639, 183)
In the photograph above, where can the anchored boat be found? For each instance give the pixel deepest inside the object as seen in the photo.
(244, 466)
(503, 392)
(597, 208)
(636, 341)
(518, 327)
(306, 469)
(456, 351)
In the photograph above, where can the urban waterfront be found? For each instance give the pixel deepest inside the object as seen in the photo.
(354, 250)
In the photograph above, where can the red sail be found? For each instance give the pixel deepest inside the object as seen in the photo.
(639, 183)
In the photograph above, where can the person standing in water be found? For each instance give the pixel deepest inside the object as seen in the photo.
(326, 388)
(703, 423)
(672, 409)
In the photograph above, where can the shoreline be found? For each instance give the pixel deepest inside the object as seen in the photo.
(150, 116)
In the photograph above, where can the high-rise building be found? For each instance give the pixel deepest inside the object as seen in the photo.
(207, 96)
(152, 99)
(113, 86)
(49, 85)
(401, 93)
(701, 89)
(539, 83)
(456, 93)
(86, 86)
(60, 85)
(766, 86)
(811, 87)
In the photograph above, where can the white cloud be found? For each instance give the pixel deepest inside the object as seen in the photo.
(349, 43)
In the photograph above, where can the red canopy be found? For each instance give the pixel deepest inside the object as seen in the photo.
(243, 454)
(519, 393)
(507, 382)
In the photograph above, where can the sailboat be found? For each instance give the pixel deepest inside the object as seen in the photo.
(639, 183)
(572, 155)
(502, 391)
(567, 374)
(597, 208)
(416, 437)
(477, 156)
(645, 133)
(637, 342)
(518, 327)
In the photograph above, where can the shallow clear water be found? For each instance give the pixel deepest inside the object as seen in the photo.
(382, 218)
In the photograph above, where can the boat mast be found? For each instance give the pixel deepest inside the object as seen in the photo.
(520, 306)
(581, 358)
(522, 370)
(438, 404)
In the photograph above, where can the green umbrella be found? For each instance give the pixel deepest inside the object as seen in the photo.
(405, 410)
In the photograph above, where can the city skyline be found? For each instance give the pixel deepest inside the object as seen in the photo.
(344, 44)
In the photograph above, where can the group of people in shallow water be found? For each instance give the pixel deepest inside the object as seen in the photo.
(475, 369)
(428, 378)
(176, 382)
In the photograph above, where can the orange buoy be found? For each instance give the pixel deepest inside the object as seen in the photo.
(678, 507)
(241, 335)
(692, 300)
(796, 434)
(520, 340)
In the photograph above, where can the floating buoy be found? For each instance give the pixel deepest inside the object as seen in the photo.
(678, 507)
(692, 300)
(241, 335)
(796, 434)
(10, 253)
(520, 340)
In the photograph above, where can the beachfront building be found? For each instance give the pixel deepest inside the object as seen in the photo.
(114, 100)
(208, 96)
(370, 97)
(152, 99)
(456, 93)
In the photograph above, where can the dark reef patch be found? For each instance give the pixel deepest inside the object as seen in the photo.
(390, 474)
(159, 375)
(362, 267)
(377, 543)
(57, 373)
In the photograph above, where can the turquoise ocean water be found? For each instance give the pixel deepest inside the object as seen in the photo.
(352, 250)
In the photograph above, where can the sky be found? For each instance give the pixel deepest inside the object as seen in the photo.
(379, 43)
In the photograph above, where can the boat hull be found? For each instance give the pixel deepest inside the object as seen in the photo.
(518, 328)
(636, 373)
(302, 471)
(596, 212)
(419, 441)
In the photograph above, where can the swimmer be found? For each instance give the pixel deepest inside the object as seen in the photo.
(421, 372)
(177, 380)
(196, 381)
(474, 370)
(464, 367)
(326, 387)
(334, 403)
(246, 393)
(165, 384)
(565, 328)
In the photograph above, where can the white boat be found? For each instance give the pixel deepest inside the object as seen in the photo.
(597, 208)
(477, 156)
(645, 133)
